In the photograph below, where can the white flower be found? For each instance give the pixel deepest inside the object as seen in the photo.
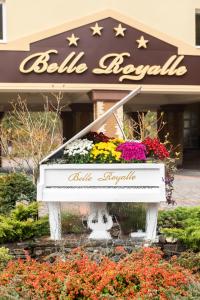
(78, 146)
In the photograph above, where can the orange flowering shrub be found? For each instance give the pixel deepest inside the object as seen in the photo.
(140, 275)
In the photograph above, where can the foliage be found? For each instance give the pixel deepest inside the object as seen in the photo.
(170, 169)
(26, 138)
(15, 187)
(145, 124)
(193, 292)
(169, 186)
(190, 260)
(71, 223)
(140, 275)
(131, 216)
(22, 224)
(182, 223)
(5, 257)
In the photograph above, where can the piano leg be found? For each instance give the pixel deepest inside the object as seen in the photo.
(151, 221)
(55, 220)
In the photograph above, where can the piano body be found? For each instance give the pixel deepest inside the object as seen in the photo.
(99, 184)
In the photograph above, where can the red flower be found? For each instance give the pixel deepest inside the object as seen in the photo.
(155, 148)
(97, 137)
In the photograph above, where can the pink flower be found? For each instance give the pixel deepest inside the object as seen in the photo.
(132, 151)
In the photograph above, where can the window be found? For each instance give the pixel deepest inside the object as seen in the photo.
(197, 25)
(2, 21)
(191, 130)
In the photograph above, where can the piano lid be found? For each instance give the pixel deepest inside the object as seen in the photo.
(96, 124)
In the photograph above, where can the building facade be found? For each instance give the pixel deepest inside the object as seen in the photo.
(97, 51)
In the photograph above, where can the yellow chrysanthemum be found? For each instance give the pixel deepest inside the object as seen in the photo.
(105, 152)
(118, 141)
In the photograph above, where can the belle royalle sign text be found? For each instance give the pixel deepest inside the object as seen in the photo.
(111, 63)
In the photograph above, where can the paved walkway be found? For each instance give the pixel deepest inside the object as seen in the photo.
(186, 188)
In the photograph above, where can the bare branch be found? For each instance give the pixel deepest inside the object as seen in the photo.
(31, 135)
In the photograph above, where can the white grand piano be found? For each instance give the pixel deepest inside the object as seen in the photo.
(99, 184)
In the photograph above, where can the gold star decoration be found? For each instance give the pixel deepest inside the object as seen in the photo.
(142, 43)
(119, 30)
(72, 40)
(96, 29)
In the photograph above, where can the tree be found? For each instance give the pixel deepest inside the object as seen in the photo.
(27, 137)
(144, 125)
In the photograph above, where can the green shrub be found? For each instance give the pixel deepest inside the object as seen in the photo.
(182, 223)
(72, 223)
(4, 257)
(15, 187)
(22, 224)
(24, 212)
(193, 292)
(131, 216)
(190, 260)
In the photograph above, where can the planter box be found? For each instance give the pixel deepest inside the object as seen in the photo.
(101, 183)
(140, 182)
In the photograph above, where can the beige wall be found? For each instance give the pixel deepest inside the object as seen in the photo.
(173, 17)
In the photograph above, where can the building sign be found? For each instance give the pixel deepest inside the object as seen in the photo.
(104, 52)
(111, 63)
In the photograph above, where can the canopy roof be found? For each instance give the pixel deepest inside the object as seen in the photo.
(96, 124)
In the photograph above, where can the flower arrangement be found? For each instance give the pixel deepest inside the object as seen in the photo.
(99, 148)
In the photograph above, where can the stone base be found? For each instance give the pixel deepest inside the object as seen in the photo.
(44, 249)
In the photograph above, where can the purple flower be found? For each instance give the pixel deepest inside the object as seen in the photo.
(132, 151)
